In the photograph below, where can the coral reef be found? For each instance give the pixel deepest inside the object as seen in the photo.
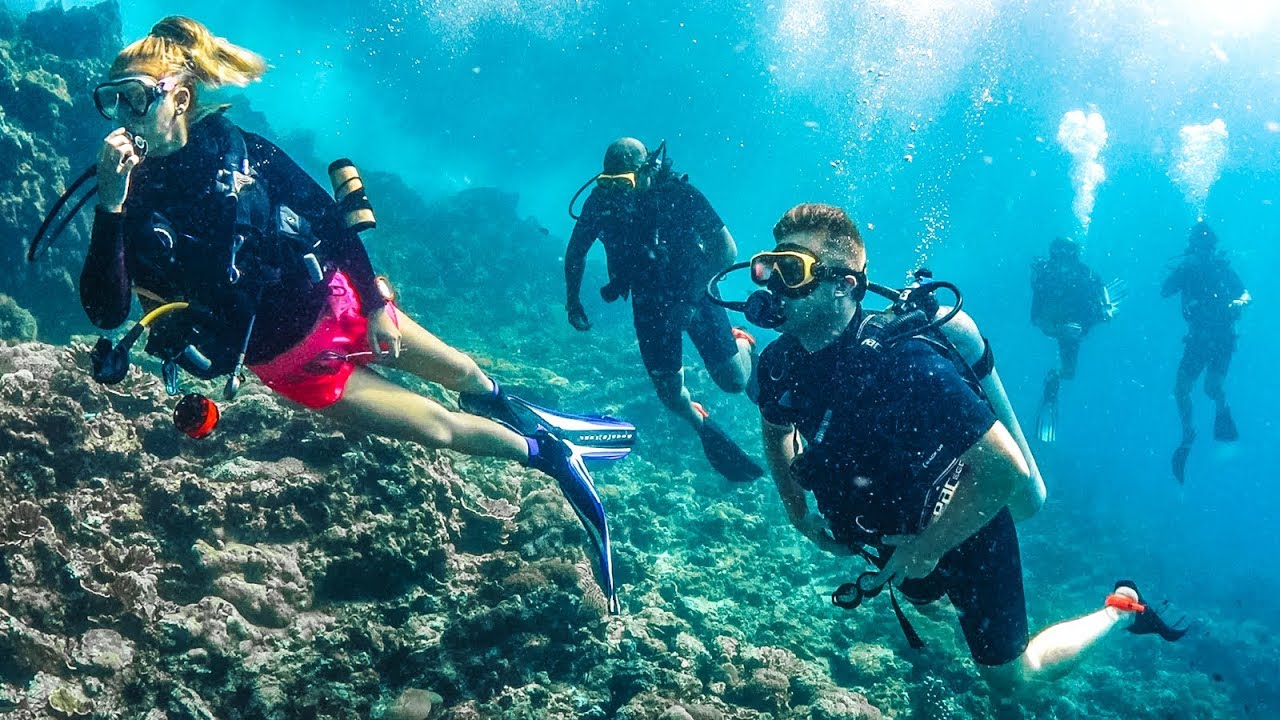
(49, 132)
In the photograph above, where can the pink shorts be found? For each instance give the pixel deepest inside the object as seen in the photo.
(315, 371)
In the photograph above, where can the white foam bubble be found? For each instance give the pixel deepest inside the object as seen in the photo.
(1197, 164)
(1084, 136)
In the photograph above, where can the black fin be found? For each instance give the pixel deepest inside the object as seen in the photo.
(1224, 426)
(725, 456)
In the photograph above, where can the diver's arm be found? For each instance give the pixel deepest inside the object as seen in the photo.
(1173, 283)
(964, 334)
(779, 451)
(104, 280)
(291, 186)
(780, 443)
(992, 468)
(723, 249)
(575, 261)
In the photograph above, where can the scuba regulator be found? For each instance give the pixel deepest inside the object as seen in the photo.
(913, 308)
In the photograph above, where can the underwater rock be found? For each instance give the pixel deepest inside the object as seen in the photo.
(675, 712)
(68, 701)
(212, 623)
(413, 704)
(263, 583)
(79, 33)
(16, 323)
(28, 650)
(106, 651)
(840, 704)
(766, 689)
(8, 23)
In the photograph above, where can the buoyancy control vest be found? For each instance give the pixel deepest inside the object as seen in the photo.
(217, 247)
(913, 315)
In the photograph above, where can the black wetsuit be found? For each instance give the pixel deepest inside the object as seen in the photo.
(892, 445)
(1208, 285)
(288, 309)
(655, 243)
(1066, 291)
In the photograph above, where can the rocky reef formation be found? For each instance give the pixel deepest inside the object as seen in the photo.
(49, 132)
(287, 570)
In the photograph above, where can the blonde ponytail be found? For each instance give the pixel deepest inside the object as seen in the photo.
(182, 46)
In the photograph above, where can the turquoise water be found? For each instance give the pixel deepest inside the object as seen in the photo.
(947, 129)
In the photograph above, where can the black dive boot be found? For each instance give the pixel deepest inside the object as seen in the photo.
(493, 405)
(1224, 426)
(1147, 621)
(1180, 455)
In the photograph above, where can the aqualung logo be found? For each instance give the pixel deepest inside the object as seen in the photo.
(605, 437)
(949, 487)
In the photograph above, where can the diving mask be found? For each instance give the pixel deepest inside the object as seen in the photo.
(787, 271)
(132, 96)
(620, 180)
(792, 271)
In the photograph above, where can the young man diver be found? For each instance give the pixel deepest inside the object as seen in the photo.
(909, 465)
(249, 263)
(663, 241)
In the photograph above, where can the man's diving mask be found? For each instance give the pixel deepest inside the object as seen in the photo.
(789, 271)
(653, 165)
(625, 181)
(133, 96)
(792, 271)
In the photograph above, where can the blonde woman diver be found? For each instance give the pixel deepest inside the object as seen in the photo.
(192, 208)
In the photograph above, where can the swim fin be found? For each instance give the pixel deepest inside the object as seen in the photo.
(1180, 462)
(562, 460)
(1224, 426)
(1148, 622)
(725, 456)
(1047, 415)
(595, 437)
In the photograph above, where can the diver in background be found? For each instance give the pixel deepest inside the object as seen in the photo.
(191, 208)
(663, 242)
(909, 467)
(1212, 298)
(1067, 300)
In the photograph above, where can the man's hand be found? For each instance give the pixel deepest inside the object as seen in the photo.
(578, 316)
(814, 527)
(384, 331)
(910, 560)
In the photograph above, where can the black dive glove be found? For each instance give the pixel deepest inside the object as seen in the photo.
(609, 293)
(578, 316)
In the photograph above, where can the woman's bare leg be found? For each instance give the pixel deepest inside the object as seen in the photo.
(431, 359)
(373, 404)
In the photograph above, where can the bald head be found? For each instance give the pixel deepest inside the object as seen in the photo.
(624, 155)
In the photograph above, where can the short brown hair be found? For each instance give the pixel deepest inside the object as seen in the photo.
(840, 237)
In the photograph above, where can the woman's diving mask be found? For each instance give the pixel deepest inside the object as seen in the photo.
(133, 96)
(787, 271)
